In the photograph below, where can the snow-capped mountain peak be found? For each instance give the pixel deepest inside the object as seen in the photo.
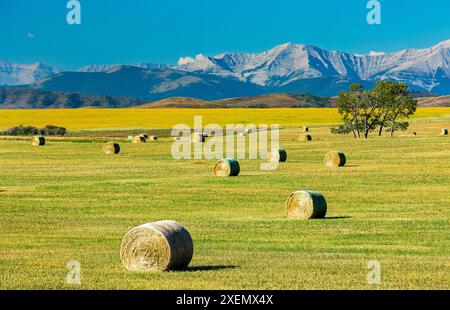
(20, 74)
(106, 68)
(289, 62)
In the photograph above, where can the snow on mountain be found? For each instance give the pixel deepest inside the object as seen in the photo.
(106, 68)
(287, 63)
(19, 74)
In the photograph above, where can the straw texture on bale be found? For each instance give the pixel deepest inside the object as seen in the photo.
(227, 167)
(157, 246)
(38, 141)
(307, 138)
(139, 139)
(305, 128)
(335, 159)
(444, 132)
(111, 148)
(278, 155)
(305, 205)
(198, 137)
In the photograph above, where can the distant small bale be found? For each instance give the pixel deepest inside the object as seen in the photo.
(111, 148)
(139, 139)
(305, 205)
(307, 138)
(305, 128)
(335, 159)
(444, 132)
(153, 138)
(278, 155)
(38, 141)
(157, 246)
(227, 167)
(198, 137)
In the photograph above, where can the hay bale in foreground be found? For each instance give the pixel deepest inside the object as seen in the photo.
(305, 205)
(307, 138)
(157, 246)
(38, 141)
(227, 167)
(444, 132)
(198, 137)
(278, 155)
(111, 148)
(305, 128)
(335, 159)
(139, 139)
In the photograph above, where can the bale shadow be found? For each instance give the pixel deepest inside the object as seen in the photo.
(338, 218)
(211, 268)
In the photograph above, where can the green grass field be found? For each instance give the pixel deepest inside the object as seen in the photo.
(391, 203)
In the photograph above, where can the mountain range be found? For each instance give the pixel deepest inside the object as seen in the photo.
(287, 68)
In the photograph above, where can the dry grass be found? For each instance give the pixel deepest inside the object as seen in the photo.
(58, 204)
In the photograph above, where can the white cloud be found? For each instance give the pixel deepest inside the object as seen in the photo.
(189, 60)
(373, 53)
(31, 35)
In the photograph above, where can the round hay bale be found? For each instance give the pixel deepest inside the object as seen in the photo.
(278, 155)
(305, 128)
(38, 141)
(305, 205)
(111, 148)
(157, 246)
(139, 139)
(335, 159)
(227, 167)
(307, 138)
(444, 132)
(198, 137)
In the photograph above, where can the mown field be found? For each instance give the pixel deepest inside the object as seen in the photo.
(67, 201)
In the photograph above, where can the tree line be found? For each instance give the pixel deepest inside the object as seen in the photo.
(386, 107)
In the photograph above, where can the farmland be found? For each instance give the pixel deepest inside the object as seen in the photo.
(82, 119)
(68, 201)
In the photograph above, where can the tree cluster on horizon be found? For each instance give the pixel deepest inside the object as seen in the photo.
(385, 107)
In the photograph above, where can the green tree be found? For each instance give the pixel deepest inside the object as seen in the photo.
(404, 107)
(385, 106)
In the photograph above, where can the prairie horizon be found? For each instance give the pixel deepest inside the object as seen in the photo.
(94, 119)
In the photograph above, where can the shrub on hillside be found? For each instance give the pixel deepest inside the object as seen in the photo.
(48, 130)
(51, 130)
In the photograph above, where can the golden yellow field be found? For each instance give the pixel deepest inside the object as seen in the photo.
(78, 119)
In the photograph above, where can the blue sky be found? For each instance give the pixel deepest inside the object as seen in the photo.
(159, 31)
